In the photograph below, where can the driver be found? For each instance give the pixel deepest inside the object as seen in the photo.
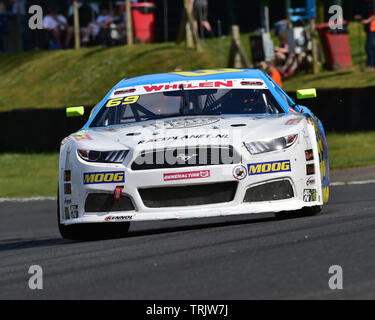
(248, 102)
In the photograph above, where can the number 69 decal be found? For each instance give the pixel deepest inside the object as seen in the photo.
(121, 101)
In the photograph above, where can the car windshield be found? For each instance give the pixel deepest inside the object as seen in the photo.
(186, 103)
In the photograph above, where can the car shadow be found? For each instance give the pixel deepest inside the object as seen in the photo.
(197, 226)
(18, 243)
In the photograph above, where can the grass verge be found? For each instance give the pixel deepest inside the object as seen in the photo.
(54, 79)
(30, 175)
(351, 150)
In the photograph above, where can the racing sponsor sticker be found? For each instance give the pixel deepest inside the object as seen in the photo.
(81, 137)
(189, 123)
(309, 195)
(239, 172)
(74, 211)
(292, 122)
(310, 169)
(183, 123)
(185, 137)
(118, 94)
(67, 213)
(269, 167)
(309, 154)
(187, 175)
(118, 218)
(103, 177)
(121, 101)
(310, 181)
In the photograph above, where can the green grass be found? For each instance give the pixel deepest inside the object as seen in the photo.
(70, 77)
(351, 150)
(30, 175)
(54, 79)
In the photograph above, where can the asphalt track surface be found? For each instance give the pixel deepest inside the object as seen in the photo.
(241, 257)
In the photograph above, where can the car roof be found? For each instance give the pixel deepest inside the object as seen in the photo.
(207, 74)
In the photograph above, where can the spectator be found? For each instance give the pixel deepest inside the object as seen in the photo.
(57, 25)
(93, 29)
(200, 11)
(282, 52)
(3, 25)
(272, 71)
(114, 30)
(19, 6)
(3, 7)
(285, 55)
(368, 19)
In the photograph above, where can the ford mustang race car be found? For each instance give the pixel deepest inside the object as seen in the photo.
(187, 145)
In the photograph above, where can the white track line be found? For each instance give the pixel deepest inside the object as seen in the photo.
(26, 199)
(352, 183)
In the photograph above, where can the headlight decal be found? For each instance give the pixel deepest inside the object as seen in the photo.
(103, 156)
(258, 147)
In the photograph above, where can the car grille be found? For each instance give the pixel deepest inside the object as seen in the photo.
(185, 157)
(193, 195)
(271, 191)
(104, 202)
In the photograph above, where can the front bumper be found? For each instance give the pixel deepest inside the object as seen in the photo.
(136, 180)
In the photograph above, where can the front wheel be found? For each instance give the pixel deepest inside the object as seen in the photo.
(91, 231)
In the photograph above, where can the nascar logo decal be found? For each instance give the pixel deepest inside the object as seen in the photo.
(104, 177)
(269, 167)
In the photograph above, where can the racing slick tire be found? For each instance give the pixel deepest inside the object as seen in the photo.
(91, 231)
(304, 212)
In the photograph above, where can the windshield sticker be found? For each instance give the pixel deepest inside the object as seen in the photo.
(189, 85)
(121, 101)
(210, 84)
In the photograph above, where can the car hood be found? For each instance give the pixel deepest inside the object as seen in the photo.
(193, 130)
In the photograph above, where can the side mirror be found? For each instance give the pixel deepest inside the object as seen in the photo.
(75, 112)
(306, 94)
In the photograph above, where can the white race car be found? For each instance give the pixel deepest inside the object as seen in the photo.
(189, 145)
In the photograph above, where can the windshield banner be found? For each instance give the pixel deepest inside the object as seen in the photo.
(189, 85)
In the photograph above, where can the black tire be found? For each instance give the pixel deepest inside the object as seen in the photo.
(312, 211)
(305, 212)
(91, 231)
